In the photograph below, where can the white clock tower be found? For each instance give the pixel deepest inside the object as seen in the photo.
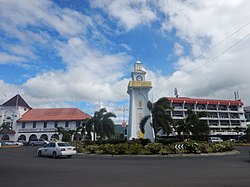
(138, 90)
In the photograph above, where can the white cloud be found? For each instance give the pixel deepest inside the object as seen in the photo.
(129, 14)
(6, 58)
(92, 74)
(178, 49)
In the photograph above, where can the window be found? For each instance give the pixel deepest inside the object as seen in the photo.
(66, 124)
(140, 104)
(23, 125)
(78, 123)
(45, 124)
(34, 125)
(56, 124)
(52, 145)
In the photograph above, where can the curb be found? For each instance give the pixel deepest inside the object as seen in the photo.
(164, 156)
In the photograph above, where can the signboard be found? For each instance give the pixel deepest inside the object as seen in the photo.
(124, 124)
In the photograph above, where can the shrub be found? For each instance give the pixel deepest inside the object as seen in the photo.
(92, 148)
(192, 147)
(169, 149)
(154, 148)
(108, 149)
(122, 148)
(135, 149)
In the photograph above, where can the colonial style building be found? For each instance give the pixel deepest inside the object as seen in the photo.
(27, 123)
(225, 117)
(138, 90)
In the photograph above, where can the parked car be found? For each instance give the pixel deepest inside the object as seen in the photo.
(39, 141)
(57, 149)
(7, 142)
(23, 142)
(215, 139)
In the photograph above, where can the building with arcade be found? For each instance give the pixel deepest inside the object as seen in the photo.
(27, 123)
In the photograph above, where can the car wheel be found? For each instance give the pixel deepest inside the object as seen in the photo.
(69, 156)
(54, 154)
(39, 153)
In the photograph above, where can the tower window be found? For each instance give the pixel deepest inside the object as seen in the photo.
(140, 104)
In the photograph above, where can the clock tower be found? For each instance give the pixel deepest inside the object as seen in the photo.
(138, 90)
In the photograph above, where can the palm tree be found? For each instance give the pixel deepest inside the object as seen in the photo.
(5, 125)
(192, 124)
(101, 124)
(159, 115)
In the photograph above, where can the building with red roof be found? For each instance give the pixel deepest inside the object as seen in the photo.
(225, 117)
(27, 123)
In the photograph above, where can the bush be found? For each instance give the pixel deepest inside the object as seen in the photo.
(135, 149)
(122, 148)
(169, 149)
(92, 149)
(108, 149)
(154, 148)
(222, 147)
(192, 147)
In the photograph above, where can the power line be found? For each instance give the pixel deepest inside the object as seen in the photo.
(221, 53)
(210, 48)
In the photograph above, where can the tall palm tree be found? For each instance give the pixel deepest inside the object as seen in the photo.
(101, 124)
(202, 129)
(192, 124)
(160, 117)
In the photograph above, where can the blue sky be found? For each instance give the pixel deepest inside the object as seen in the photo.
(74, 53)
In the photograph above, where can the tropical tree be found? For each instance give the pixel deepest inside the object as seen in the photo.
(5, 125)
(192, 124)
(101, 124)
(160, 117)
(66, 135)
(81, 130)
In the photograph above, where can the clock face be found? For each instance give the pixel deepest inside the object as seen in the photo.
(139, 78)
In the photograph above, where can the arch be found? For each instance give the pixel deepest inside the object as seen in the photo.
(5, 137)
(32, 137)
(22, 137)
(44, 136)
(56, 136)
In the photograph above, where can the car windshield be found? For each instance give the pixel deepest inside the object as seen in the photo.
(63, 144)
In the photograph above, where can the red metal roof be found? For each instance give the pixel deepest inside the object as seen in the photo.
(204, 101)
(54, 114)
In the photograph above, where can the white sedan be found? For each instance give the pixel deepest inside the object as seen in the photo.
(57, 149)
(12, 143)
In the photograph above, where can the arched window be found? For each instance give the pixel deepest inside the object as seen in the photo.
(140, 104)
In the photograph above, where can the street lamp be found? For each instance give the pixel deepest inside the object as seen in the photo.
(124, 124)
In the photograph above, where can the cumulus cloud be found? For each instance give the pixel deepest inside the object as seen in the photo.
(215, 33)
(129, 14)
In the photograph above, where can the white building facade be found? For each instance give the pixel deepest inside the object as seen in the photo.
(10, 112)
(225, 117)
(138, 90)
(27, 123)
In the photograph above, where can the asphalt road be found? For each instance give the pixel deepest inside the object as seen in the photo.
(21, 167)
